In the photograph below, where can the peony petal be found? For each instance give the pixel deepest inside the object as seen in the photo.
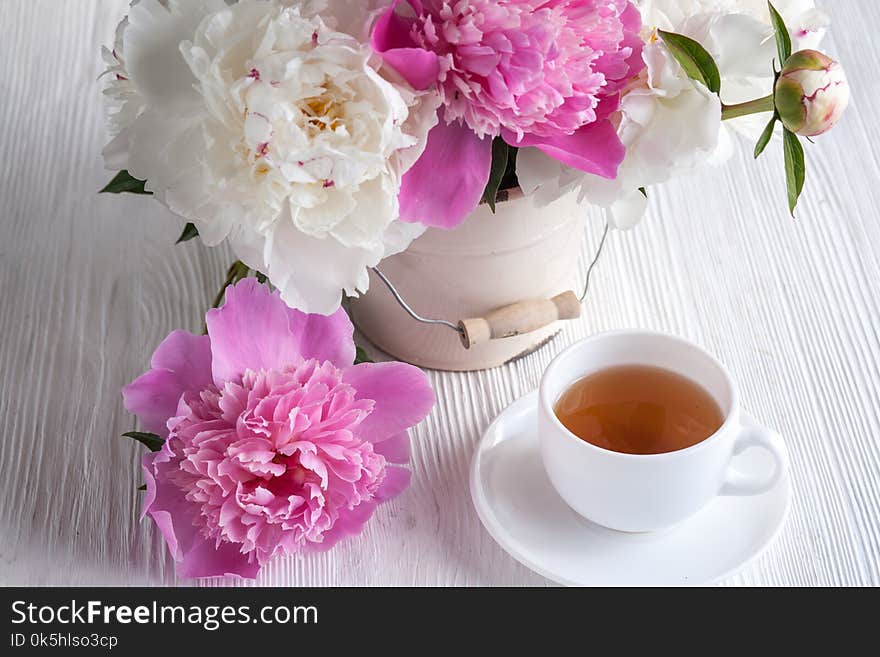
(204, 559)
(349, 523)
(631, 18)
(594, 148)
(392, 39)
(311, 273)
(181, 363)
(175, 516)
(392, 30)
(396, 481)
(153, 398)
(627, 211)
(256, 330)
(175, 173)
(399, 235)
(607, 106)
(151, 43)
(396, 449)
(434, 192)
(115, 153)
(402, 394)
(354, 17)
(188, 356)
(739, 44)
(324, 337)
(542, 178)
(420, 68)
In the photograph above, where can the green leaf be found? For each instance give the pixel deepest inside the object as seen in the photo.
(142, 487)
(795, 169)
(261, 278)
(496, 173)
(644, 192)
(152, 441)
(361, 356)
(694, 59)
(783, 38)
(189, 231)
(510, 181)
(125, 182)
(766, 136)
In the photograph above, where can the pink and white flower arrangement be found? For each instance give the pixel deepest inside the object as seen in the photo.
(317, 137)
(310, 134)
(272, 441)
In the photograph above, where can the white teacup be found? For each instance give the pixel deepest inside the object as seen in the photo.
(639, 493)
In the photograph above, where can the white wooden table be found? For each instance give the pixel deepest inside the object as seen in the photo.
(90, 284)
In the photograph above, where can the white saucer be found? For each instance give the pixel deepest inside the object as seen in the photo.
(523, 513)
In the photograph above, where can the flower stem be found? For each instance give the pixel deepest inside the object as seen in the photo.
(756, 106)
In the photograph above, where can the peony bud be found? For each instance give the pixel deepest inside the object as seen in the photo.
(811, 93)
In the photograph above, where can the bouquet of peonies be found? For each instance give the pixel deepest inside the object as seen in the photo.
(318, 137)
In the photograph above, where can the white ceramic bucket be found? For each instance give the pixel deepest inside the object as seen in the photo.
(521, 252)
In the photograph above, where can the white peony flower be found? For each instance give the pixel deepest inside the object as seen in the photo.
(669, 123)
(263, 125)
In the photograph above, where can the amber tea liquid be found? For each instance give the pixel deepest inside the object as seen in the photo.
(635, 409)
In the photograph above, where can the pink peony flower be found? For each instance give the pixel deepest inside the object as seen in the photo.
(529, 66)
(543, 73)
(274, 442)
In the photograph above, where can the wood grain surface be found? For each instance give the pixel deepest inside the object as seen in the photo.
(90, 284)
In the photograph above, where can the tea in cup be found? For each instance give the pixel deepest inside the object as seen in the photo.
(638, 429)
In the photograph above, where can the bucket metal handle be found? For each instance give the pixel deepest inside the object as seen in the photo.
(511, 320)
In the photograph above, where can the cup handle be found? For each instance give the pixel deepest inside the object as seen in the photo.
(739, 484)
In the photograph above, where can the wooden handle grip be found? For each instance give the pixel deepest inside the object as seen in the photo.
(519, 318)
